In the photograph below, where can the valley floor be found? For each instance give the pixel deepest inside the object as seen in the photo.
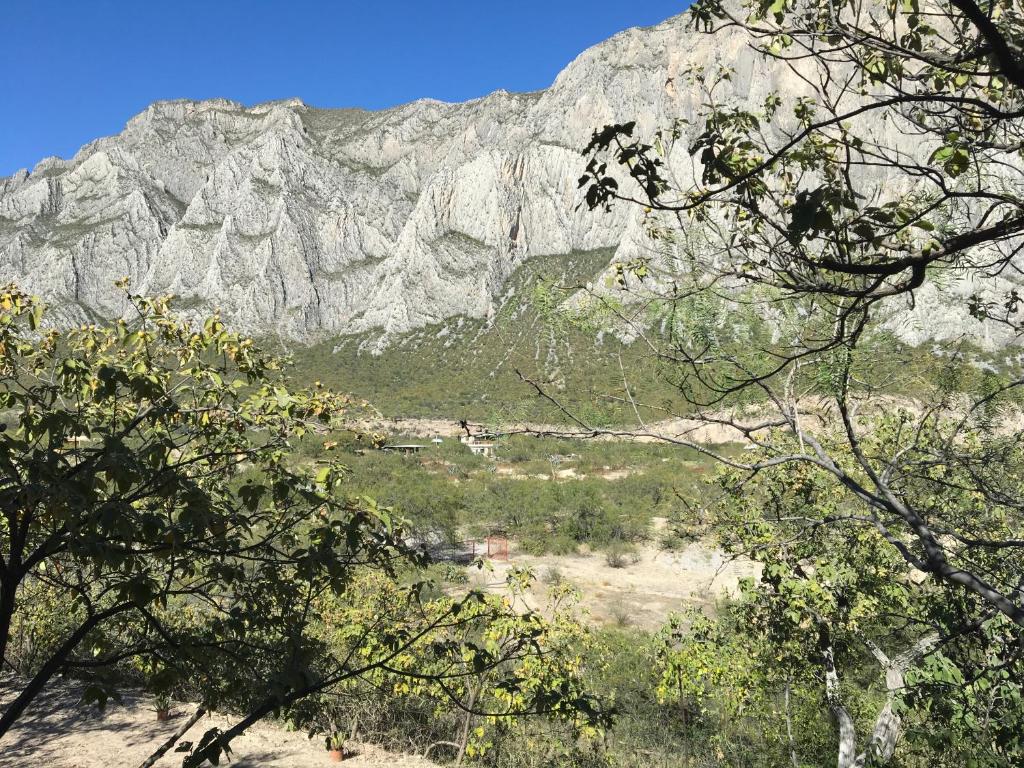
(641, 592)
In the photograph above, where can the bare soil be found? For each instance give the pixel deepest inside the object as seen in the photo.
(58, 732)
(678, 429)
(816, 413)
(641, 593)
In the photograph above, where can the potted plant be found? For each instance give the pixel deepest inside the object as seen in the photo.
(335, 744)
(162, 702)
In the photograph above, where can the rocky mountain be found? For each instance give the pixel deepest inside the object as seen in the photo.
(310, 222)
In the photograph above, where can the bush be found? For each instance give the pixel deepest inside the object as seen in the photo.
(619, 555)
(620, 614)
(553, 577)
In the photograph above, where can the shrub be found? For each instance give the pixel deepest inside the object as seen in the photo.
(620, 614)
(619, 555)
(553, 577)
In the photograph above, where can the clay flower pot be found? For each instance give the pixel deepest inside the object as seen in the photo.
(163, 714)
(336, 755)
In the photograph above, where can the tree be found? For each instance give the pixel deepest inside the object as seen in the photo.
(828, 232)
(839, 625)
(775, 285)
(479, 662)
(149, 499)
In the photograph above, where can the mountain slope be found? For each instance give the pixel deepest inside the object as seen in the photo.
(310, 223)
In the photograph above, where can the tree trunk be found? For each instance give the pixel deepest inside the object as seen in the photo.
(467, 723)
(35, 686)
(847, 757)
(151, 760)
(8, 597)
(789, 728)
(882, 744)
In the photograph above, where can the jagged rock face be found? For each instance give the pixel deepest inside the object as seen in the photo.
(310, 222)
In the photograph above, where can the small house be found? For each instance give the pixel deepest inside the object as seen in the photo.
(479, 447)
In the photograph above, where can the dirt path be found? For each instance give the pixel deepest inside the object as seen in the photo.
(59, 733)
(817, 411)
(685, 429)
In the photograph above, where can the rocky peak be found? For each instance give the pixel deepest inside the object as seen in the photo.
(309, 222)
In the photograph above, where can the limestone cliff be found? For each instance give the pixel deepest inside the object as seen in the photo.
(308, 222)
(313, 222)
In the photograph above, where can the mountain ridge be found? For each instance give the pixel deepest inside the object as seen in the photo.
(310, 223)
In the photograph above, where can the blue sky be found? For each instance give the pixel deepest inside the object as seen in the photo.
(74, 70)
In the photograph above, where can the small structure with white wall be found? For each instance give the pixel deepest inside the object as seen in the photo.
(479, 447)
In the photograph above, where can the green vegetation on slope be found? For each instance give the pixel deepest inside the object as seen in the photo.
(466, 368)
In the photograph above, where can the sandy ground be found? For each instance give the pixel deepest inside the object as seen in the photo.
(58, 733)
(816, 413)
(509, 471)
(640, 594)
(679, 429)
